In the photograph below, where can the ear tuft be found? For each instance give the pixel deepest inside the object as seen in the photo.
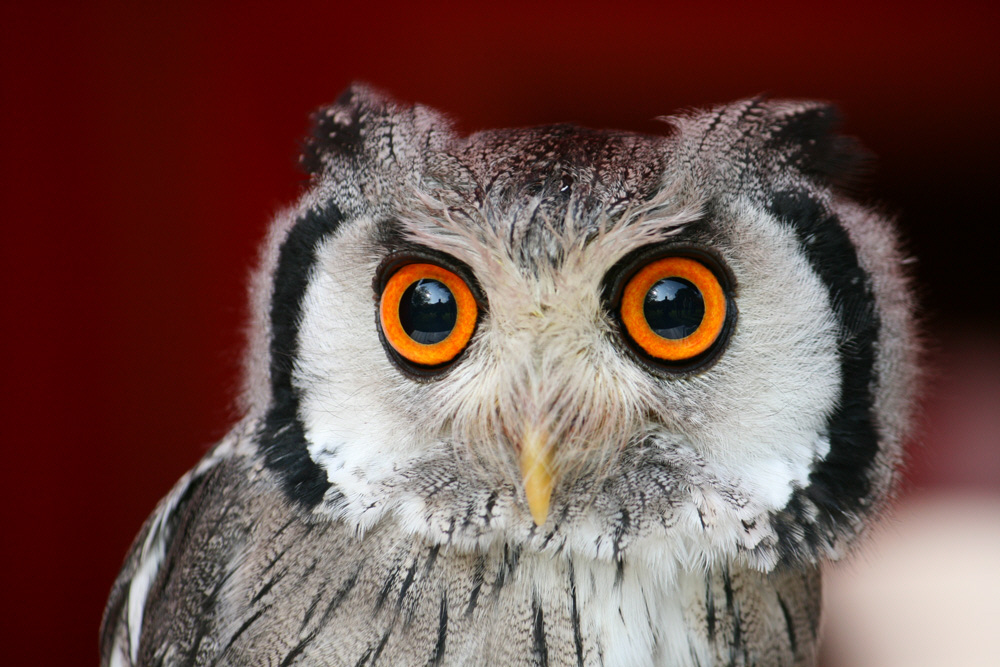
(338, 129)
(807, 133)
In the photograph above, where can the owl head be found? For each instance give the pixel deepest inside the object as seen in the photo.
(687, 348)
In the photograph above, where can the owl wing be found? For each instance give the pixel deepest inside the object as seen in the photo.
(140, 580)
(228, 571)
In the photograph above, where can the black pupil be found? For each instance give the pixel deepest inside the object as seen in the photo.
(674, 308)
(428, 311)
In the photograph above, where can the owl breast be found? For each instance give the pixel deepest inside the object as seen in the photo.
(284, 589)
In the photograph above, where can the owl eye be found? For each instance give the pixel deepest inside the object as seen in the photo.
(674, 308)
(427, 314)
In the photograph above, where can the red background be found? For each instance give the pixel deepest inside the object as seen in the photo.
(144, 149)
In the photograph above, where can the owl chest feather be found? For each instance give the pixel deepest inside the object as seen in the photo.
(249, 579)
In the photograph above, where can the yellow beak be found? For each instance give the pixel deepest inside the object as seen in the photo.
(536, 469)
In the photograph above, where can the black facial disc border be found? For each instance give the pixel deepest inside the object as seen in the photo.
(282, 436)
(839, 485)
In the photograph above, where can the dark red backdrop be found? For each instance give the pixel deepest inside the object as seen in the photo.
(143, 151)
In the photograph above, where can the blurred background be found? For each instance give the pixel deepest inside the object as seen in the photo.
(144, 148)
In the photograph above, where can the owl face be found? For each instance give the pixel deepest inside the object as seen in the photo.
(687, 347)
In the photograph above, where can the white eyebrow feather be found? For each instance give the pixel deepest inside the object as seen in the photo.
(480, 236)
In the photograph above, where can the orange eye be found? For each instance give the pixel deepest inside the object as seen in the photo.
(674, 308)
(427, 314)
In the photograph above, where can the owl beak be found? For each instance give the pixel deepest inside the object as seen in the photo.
(536, 469)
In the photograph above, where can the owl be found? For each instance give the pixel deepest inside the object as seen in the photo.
(544, 396)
